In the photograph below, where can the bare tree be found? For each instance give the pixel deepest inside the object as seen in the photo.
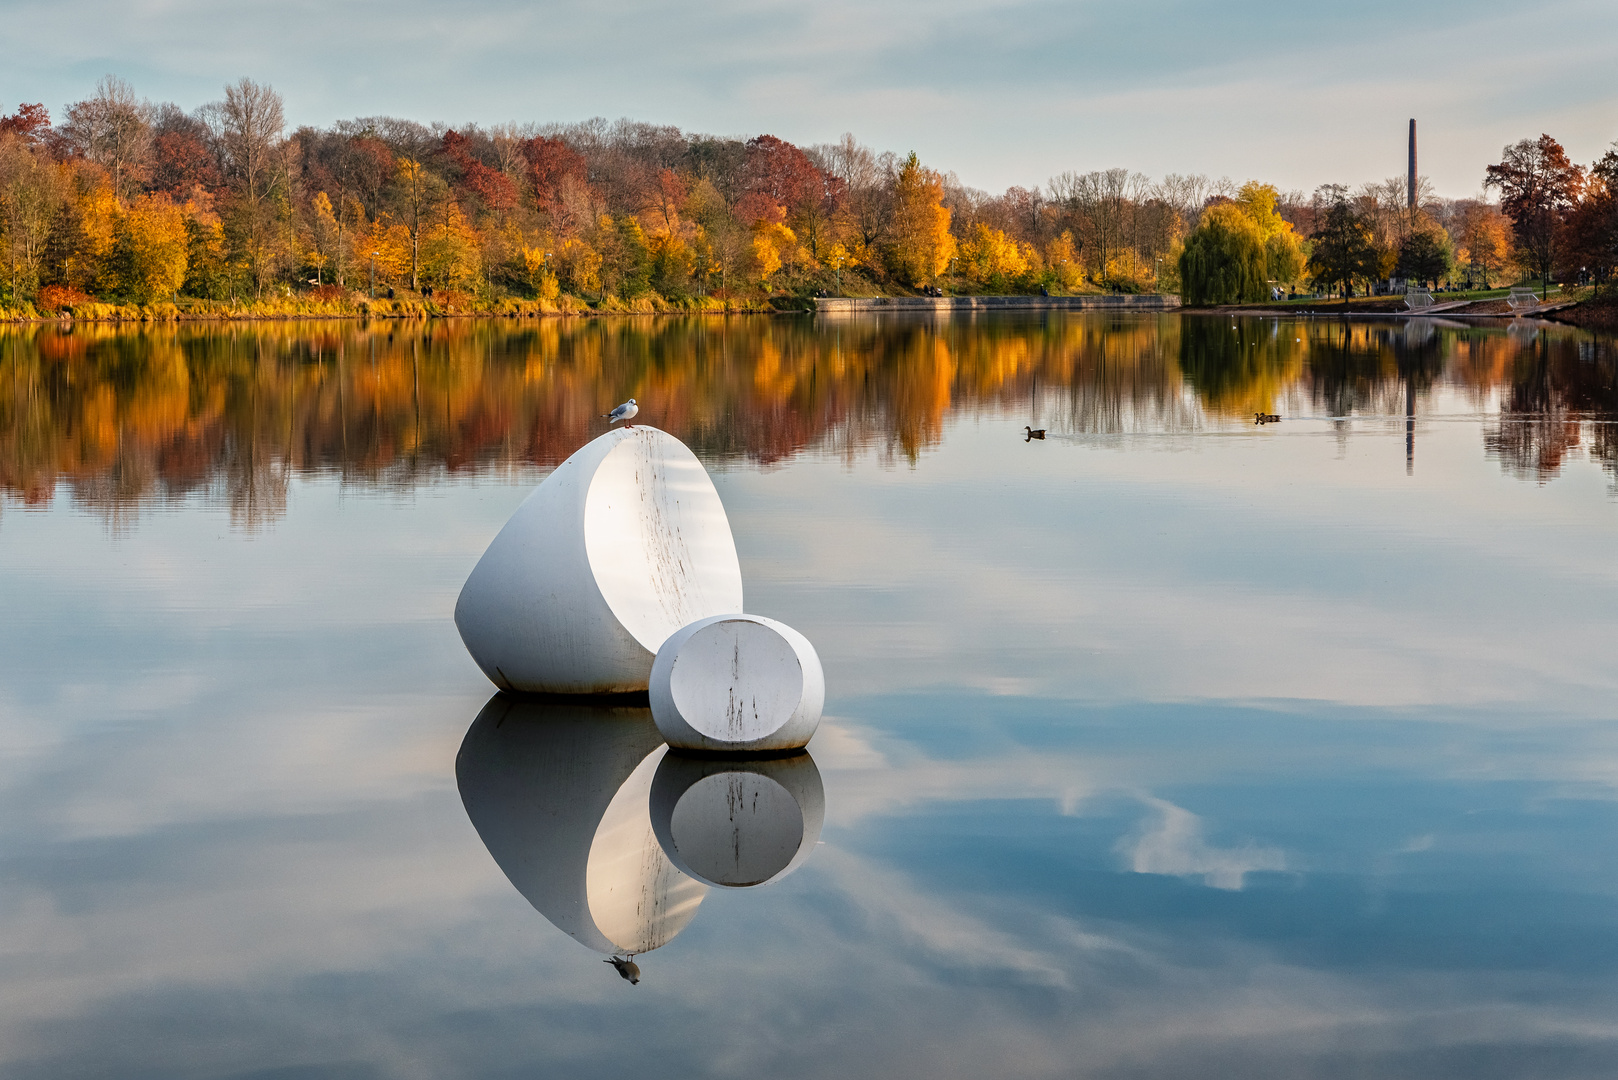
(247, 126)
(114, 130)
(32, 192)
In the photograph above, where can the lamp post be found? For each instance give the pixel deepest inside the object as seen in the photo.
(374, 254)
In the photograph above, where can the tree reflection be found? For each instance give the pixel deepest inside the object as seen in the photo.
(1557, 388)
(235, 412)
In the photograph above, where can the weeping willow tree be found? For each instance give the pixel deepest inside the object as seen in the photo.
(1224, 261)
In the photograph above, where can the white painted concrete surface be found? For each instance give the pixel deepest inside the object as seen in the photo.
(734, 822)
(560, 796)
(737, 683)
(622, 545)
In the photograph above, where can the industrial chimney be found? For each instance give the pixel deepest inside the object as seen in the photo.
(1412, 199)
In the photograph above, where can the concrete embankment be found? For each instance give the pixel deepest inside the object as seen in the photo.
(867, 305)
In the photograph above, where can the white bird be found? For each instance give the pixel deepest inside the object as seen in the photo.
(625, 412)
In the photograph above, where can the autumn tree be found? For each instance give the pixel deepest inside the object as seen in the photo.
(1283, 252)
(419, 192)
(920, 245)
(1538, 186)
(181, 159)
(1485, 240)
(551, 162)
(149, 254)
(988, 257)
(1224, 259)
(30, 124)
(1592, 225)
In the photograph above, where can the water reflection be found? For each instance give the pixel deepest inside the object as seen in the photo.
(559, 795)
(128, 417)
(734, 822)
(612, 838)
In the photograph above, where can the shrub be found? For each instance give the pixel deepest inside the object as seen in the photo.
(57, 297)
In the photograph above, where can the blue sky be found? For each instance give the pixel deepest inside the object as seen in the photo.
(999, 91)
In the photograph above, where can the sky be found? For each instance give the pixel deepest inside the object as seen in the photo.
(1000, 92)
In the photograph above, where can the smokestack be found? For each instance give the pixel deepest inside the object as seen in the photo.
(1412, 199)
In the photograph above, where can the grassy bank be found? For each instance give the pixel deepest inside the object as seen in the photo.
(401, 307)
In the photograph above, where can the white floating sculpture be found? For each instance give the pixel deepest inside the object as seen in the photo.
(737, 683)
(559, 794)
(622, 545)
(737, 823)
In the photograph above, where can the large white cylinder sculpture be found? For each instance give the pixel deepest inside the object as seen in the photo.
(737, 683)
(734, 822)
(622, 545)
(560, 795)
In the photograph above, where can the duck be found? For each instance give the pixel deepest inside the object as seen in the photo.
(1033, 433)
(1266, 418)
(626, 966)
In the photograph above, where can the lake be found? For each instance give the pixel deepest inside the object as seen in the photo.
(1172, 745)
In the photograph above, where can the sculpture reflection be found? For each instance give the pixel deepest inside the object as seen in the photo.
(614, 839)
(559, 793)
(737, 822)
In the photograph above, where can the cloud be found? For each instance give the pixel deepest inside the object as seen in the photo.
(1175, 846)
(1000, 91)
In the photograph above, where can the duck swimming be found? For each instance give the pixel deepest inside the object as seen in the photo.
(1033, 433)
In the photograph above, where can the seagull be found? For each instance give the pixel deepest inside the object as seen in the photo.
(626, 965)
(625, 412)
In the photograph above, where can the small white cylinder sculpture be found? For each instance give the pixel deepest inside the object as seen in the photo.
(622, 545)
(737, 683)
(736, 823)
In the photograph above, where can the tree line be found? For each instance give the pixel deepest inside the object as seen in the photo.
(130, 202)
(1555, 219)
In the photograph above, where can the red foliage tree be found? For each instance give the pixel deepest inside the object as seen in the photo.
(778, 179)
(181, 163)
(30, 122)
(550, 161)
(1538, 186)
(492, 186)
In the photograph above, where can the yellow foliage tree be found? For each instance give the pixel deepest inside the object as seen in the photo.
(325, 233)
(450, 251)
(920, 244)
(149, 255)
(578, 266)
(389, 246)
(89, 266)
(1062, 260)
(990, 257)
(538, 273)
(673, 261)
(1283, 250)
(773, 244)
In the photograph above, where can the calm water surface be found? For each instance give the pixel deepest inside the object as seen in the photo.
(1170, 746)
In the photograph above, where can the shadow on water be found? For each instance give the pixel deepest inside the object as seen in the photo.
(125, 418)
(612, 838)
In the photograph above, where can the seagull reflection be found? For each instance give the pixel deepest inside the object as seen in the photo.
(559, 795)
(626, 967)
(735, 822)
